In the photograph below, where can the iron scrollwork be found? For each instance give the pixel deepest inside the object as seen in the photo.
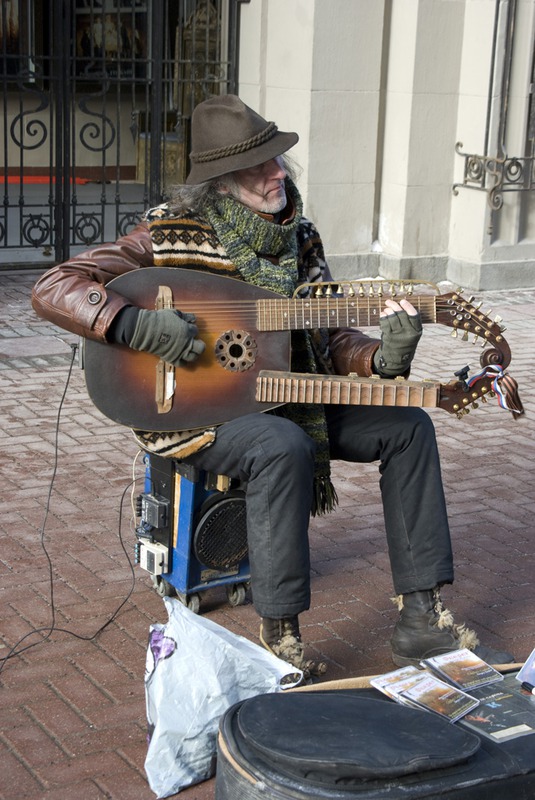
(496, 175)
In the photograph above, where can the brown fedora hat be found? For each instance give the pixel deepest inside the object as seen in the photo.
(227, 135)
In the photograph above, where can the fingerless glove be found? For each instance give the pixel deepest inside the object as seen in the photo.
(400, 334)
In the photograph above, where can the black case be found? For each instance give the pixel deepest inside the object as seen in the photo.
(346, 744)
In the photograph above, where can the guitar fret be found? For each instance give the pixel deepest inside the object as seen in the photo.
(306, 323)
(332, 312)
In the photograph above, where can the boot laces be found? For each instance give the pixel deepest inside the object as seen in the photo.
(465, 637)
(282, 638)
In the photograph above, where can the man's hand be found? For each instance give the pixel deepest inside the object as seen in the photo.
(168, 334)
(401, 328)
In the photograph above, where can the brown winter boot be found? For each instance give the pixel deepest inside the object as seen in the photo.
(425, 629)
(283, 638)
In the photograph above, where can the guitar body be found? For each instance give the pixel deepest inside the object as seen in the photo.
(219, 386)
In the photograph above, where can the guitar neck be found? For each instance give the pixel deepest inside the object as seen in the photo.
(332, 312)
(295, 387)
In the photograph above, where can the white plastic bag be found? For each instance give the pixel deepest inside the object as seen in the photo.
(195, 670)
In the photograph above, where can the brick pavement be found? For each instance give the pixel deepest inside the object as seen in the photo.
(72, 712)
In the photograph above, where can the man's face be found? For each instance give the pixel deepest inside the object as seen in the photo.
(261, 188)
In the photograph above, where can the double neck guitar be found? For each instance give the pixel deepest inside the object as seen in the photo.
(246, 364)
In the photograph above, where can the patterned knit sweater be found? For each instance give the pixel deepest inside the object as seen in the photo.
(188, 241)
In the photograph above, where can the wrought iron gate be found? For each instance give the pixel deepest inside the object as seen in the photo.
(89, 86)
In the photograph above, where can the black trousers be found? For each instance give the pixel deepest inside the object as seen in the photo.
(276, 460)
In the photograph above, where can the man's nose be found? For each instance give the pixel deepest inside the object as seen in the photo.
(276, 168)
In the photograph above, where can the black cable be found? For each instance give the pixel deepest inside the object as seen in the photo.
(49, 630)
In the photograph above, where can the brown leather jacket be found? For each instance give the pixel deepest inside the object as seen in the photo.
(75, 296)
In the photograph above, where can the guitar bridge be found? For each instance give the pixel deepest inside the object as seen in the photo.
(165, 373)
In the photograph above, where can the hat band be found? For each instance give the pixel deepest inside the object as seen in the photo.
(223, 152)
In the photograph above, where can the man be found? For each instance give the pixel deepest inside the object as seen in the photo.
(240, 214)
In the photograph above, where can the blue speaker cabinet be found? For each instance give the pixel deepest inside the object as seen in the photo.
(191, 532)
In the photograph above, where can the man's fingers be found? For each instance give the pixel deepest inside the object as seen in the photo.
(393, 307)
(408, 307)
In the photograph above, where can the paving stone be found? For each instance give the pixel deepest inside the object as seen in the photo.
(72, 717)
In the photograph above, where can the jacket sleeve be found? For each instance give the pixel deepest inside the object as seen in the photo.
(74, 295)
(350, 349)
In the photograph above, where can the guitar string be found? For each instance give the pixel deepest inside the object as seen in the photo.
(249, 310)
(278, 309)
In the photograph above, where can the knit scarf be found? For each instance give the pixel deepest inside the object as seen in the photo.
(246, 236)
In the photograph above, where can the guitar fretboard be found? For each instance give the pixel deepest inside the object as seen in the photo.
(295, 387)
(337, 312)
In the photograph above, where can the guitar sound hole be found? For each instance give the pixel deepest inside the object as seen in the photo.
(235, 351)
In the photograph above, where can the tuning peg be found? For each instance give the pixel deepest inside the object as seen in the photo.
(478, 305)
(475, 405)
(475, 339)
(370, 290)
(471, 299)
(329, 291)
(393, 292)
(488, 313)
(465, 337)
(351, 290)
(361, 290)
(498, 319)
(462, 373)
(453, 334)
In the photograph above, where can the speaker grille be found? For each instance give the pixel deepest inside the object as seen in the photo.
(220, 539)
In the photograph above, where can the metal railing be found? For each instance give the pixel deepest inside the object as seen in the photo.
(97, 99)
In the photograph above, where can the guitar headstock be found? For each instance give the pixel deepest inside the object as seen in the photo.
(458, 398)
(468, 321)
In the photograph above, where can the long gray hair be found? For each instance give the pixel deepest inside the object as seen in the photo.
(183, 198)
